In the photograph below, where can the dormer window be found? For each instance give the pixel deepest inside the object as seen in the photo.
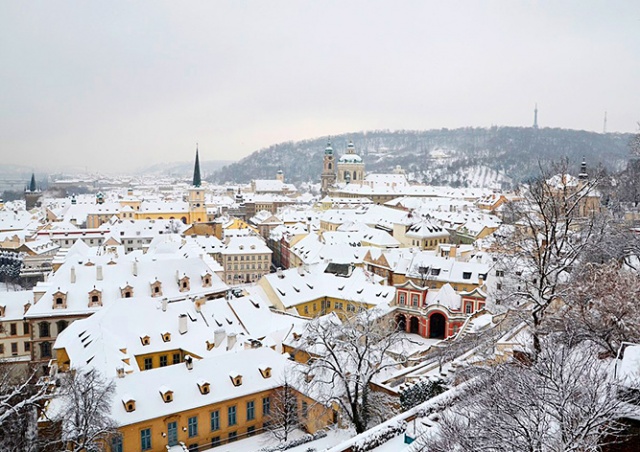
(59, 300)
(2, 310)
(265, 371)
(204, 387)
(95, 298)
(236, 379)
(166, 394)
(166, 337)
(126, 291)
(466, 275)
(129, 404)
(183, 283)
(146, 340)
(156, 289)
(206, 280)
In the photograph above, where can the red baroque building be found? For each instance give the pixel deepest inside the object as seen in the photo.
(435, 314)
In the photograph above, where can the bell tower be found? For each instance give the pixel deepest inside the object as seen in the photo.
(328, 177)
(197, 208)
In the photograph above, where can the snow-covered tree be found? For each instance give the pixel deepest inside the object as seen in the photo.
(537, 253)
(347, 358)
(283, 412)
(20, 399)
(565, 401)
(83, 407)
(602, 306)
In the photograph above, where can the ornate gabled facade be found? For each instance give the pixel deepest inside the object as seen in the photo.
(350, 166)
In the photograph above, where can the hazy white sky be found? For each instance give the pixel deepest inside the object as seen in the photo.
(101, 84)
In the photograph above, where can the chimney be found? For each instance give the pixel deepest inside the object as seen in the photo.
(73, 274)
(198, 304)
(188, 360)
(182, 323)
(231, 341)
(120, 372)
(453, 251)
(99, 272)
(218, 336)
(300, 270)
(177, 275)
(279, 273)
(135, 267)
(164, 304)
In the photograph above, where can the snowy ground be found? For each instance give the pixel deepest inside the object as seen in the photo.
(412, 343)
(394, 445)
(255, 443)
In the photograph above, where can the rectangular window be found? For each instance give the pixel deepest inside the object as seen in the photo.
(305, 409)
(145, 439)
(25, 328)
(27, 346)
(193, 426)
(193, 447)
(266, 406)
(176, 358)
(116, 443)
(1, 349)
(251, 411)
(466, 275)
(251, 430)
(215, 441)
(231, 415)
(215, 420)
(233, 436)
(14, 348)
(14, 329)
(148, 363)
(163, 360)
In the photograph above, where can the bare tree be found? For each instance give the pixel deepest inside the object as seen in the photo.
(21, 397)
(283, 412)
(564, 401)
(82, 409)
(602, 306)
(347, 357)
(554, 228)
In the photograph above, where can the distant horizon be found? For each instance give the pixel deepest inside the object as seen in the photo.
(204, 161)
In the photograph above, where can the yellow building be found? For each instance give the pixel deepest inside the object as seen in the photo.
(324, 288)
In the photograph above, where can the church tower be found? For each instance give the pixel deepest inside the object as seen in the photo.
(535, 117)
(328, 177)
(350, 166)
(31, 193)
(197, 208)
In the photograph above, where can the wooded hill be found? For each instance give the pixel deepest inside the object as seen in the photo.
(457, 157)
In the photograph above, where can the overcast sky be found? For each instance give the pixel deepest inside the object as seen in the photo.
(100, 84)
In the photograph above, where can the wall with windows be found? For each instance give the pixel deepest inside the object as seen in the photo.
(216, 424)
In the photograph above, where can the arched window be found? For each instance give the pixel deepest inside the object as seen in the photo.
(329, 166)
(354, 176)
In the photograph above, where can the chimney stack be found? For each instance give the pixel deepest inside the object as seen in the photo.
(182, 323)
(188, 360)
(164, 304)
(231, 341)
(73, 274)
(135, 267)
(99, 272)
(218, 336)
(120, 371)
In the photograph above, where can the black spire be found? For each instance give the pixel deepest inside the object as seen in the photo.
(32, 184)
(197, 181)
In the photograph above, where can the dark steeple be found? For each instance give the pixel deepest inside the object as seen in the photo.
(583, 170)
(197, 181)
(32, 184)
